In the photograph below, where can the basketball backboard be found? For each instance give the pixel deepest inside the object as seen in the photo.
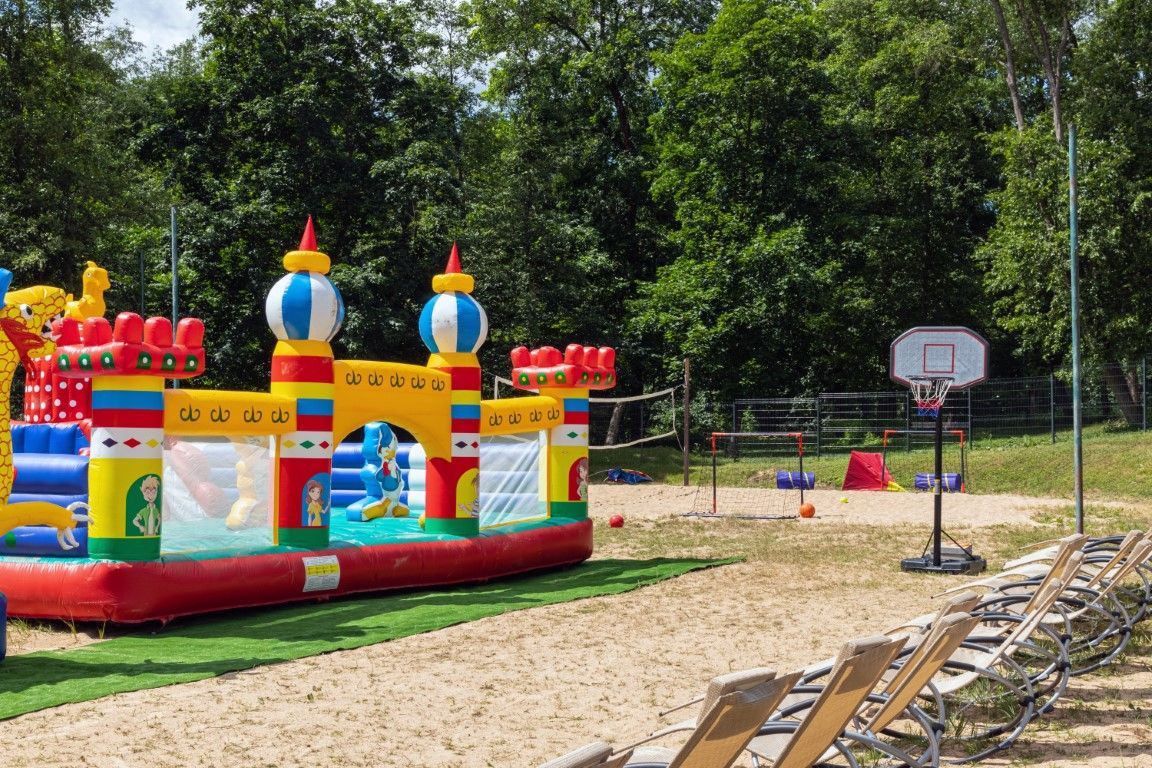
(938, 352)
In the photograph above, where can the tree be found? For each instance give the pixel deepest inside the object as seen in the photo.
(66, 185)
(560, 210)
(1027, 252)
(829, 187)
(299, 107)
(912, 93)
(1044, 32)
(744, 159)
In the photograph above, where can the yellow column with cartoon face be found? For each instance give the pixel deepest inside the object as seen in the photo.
(126, 467)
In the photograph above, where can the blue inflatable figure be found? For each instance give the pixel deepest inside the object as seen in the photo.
(381, 476)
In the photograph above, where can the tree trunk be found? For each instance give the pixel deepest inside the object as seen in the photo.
(1123, 382)
(614, 424)
(1009, 64)
(1036, 33)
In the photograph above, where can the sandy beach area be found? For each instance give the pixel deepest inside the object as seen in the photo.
(517, 689)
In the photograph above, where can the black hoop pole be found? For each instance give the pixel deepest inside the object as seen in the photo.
(938, 499)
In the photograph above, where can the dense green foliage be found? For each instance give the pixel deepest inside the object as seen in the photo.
(774, 188)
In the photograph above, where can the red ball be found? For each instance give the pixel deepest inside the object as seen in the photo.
(807, 510)
(616, 521)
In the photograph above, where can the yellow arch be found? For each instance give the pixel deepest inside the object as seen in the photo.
(412, 397)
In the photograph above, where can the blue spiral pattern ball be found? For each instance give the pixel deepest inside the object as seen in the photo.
(304, 306)
(453, 322)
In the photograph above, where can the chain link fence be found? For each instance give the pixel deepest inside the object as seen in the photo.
(1037, 407)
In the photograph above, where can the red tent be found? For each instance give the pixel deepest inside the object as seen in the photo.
(866, 472)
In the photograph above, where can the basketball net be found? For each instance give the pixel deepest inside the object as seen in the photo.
(929, 395)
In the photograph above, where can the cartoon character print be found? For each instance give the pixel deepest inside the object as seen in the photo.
(578, 480)
(388, 475)
(147, 520)
(316, 503)
(468, 494)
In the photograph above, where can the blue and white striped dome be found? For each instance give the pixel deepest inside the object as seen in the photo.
(304, 306)
(453, 322)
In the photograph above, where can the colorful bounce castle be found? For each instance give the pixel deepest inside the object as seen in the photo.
(130, 501)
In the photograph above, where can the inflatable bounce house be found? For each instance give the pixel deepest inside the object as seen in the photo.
(127, 501)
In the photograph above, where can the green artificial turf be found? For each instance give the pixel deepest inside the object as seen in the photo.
(199, 648)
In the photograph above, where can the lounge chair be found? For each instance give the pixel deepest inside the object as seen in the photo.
(1009, 670)
(889, 723)
(1101, 555)
(802, 734)
(598, 754)
(1097, 611)
(722, 731)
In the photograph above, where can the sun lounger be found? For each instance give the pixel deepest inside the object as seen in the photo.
(890, 721)
(722, 730)
(800, 734)
(1094, 609)
(595, 755)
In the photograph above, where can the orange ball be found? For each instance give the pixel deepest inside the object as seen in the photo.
(807, 510)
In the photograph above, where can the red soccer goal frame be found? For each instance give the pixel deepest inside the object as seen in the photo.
(960, 433)
(798, 436)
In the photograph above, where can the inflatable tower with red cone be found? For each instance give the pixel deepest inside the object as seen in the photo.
(453, 327)
(304, 310)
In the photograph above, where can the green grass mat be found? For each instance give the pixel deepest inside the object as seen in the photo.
(199, 648)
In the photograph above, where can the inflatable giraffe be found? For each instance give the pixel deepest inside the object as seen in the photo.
(26, 331)
(91, 304)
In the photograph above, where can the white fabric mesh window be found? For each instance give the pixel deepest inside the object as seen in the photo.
(217, 494)
(510, 480)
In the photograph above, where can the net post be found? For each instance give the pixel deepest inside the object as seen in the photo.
(963, 462)
(714, 474)
(884, 453)
(687, 419)
(800, 451)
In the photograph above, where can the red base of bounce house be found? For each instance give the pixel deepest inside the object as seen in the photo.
(103, 590)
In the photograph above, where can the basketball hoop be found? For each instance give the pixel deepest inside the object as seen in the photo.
(929, 395)
(930, 360)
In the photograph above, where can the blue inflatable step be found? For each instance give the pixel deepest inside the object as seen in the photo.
(950, 482)
(795, 480)
(350, 456)
(66, 438)
(50, 473)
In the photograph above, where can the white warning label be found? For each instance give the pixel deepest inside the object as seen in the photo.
(321, 573)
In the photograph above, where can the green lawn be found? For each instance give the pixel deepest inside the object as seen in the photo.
(1117, 465)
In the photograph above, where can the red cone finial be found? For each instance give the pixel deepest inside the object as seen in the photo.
(308, 240)
(453, 267)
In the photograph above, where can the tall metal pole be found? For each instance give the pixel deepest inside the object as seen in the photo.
(1144, 393)
(687, 445)
(175, 277)
(1074, 266)
(140, 256)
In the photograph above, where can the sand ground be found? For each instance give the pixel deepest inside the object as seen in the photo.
(517, 689)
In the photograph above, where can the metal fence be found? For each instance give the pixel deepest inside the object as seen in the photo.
(1039, 406)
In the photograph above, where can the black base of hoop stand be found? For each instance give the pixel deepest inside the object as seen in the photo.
(954, 561)
(936, 558)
